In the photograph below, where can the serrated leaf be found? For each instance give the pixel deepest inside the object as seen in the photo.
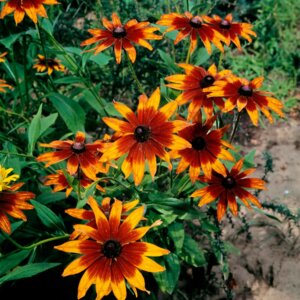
(168, 279)
(11, 260)
(28, 271)
(47, 216)
(34, 129)
(70, 111)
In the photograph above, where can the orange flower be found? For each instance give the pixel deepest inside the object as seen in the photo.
(88, 215)
(32, 8)
(207, 149)
(244, 94)
(189, 25)
(49, 64)
(122, 36)
(227, 188)
(12, 202)
(113, 255)
(192, 84)
(144, 136)
(2, 55)
(3, 85)
(77, 153)
(60, 182)
(231, 30)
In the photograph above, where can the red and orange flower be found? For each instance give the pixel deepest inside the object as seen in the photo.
(61, 183)
(48, 64)
(207, 148)
(227, 188)
(145, 135)
(32, 8)
(244, 94)
(2, 57)
(113, 255)
(192, 26)
(12, 201)
(122, 37)
(4, 85)
(231, 30)
(88, 215)
(79, 155)
(192, 84)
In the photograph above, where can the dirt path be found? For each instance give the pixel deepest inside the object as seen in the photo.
(269, 265)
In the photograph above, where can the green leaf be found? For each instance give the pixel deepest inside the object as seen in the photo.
(191, 252)
(249, 159)
(100, 59)
(94, 102)
(28, 271)
(49, 197)
(11, 260)
(14, 226)
(10, 40)
(34, 130)
(47, 216)
(168, 279)
(176, 232)
(47, 122)
(200, 56)
(168, 62)
(70, 111)
(68, 80)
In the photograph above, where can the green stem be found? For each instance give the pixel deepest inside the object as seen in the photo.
(188, 54)
(221, 57)
(14, 113)
(187, 5)
(116, 180)
(133, 73)
(16, 154)
(236, 121)
(35, 244)
(24, 68)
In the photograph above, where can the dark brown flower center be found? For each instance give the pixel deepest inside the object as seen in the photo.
(245, 90)
(207, 81)
(224, 24)
(196, 22)
(119, 32)
(142, 133)
(112, 248)
(228, 182)
(198, 143)
(78, 147)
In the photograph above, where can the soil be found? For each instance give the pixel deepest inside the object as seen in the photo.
(268, 267)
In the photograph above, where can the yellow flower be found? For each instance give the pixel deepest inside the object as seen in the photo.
(5, 179)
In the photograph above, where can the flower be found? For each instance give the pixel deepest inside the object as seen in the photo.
(122, 36)
(88, 215)
(231, 30)
(4, 84)
(113, 255)
(245, 94)
(60, 182)
(49, 64)
(189, 25)
(2, 55)
(12, 202)
(207, 149)
(192, 84)
(227, 188)
(32, 8)
(79, 155)
(5, 179)
(144, 136)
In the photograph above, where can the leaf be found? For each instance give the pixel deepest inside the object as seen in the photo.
(168, 279)
(168, 62)
(49, 197)
(9, 261)
(47, 122)
(28, 271)
(70, 111)
(68, 80)
(100, 59)
(47, 216)
(200, 56)
(10, 40)
(191, 252)
(14, 226)
(96, 103)
(176, 232)
(34, 130)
